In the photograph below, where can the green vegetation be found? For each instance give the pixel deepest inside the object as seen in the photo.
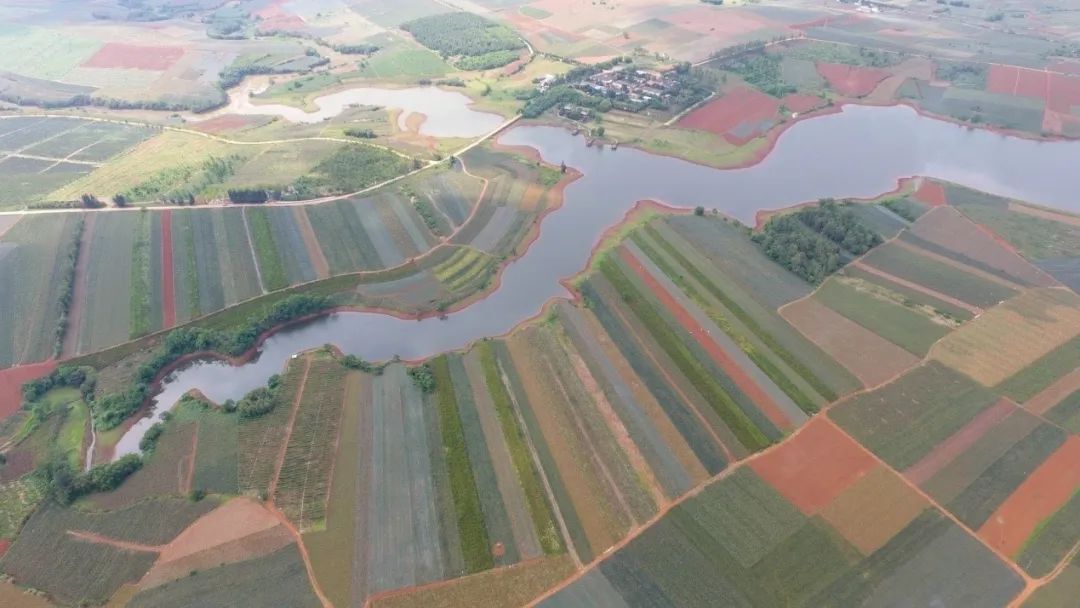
(350, 168)
(271, 268)
(487, 61)
(18, 499)
(744, 317)
(1029, 381)
(542, 517)
(462, 34)
(760, 70)
(64, 485)
(475, 546)
(771, 370)
(911, 330)
(813, 50)
(141, 278)
(904, 207)
(904, 420)
(744, 429)
(808, 242)
(1052, 540)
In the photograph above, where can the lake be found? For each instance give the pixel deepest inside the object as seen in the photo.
(861, 151)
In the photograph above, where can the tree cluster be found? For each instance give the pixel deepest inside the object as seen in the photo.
(812, 242)
(64, 484)
(462, 34)
(248, 195)
(423, 378)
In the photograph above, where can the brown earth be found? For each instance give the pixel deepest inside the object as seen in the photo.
(874, 509)
(134, 57)
(580, 488)
(311, 243)
(1038, 497)
(671, 436)
(814, 466)
(1053, 394)
(1011, 336)
(975, 310)
(12, 379)
(1045, 214)
(932, 193)
(946, 227)
(15, 597)
(871, 358)
(956, 444)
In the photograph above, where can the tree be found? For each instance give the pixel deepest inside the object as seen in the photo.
(90, 201)
(562, 167)
(120, 200)
(699, 211)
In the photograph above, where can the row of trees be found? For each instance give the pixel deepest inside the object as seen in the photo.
(112, 409)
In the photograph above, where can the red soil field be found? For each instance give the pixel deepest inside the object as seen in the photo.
(726, 363)
(958, 442)
(725, 24)
(1038, 497)
(802, 103)
(932, 193)
(168, 303)
(273, 17)
(851, 81)
(1060, 91)
(11, 381)
(222, 124)
(4, 544)
(729, 111)
(133, 56)
(1054, 394)
(814, 466)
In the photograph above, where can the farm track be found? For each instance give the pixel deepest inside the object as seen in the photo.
(51, 159)
(975, 310)
(134, 207)
(72, 333)
(272, 489)
(95, 538)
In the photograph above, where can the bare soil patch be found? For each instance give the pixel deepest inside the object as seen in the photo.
(814, 466)
(134, 57)
(874, 509)
(871, 358)
(1037, 498)
(11, 381)
(959, 442)
(1053, 394)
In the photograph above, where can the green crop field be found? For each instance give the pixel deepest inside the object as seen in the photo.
(1026, 383)
(937, 275)
(907, 328)
(32, 269)
(276, 579)
(904, 420)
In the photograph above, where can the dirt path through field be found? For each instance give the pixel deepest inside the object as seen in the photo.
(93, 537)
(304, 555)
(168, 289)
(975, 310)
(78, 295)
(251, 247)
(311, 243)
(190, 472)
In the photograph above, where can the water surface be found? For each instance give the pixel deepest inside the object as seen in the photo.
(447, 113)
(859, 152)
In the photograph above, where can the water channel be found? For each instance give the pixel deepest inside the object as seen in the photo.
(859, 152)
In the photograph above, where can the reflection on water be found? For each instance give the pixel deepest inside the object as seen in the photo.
(859, 152)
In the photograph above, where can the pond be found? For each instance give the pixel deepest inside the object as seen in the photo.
(859, 152)
(447, 113)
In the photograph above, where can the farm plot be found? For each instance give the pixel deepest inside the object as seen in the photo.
(260, 440)
(343, 236)
(1045, 380)
(910, 263)
(276, 579)
(883, 313)
(107, 281)
(92, 567)
(1012, 336)
(304, 479)
(739, 115)
(868, 356)
(946, 230)
(166, 472)
(746, 297)
(33, 265)
(902, 421)
(740, 543)
(1040, 520)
